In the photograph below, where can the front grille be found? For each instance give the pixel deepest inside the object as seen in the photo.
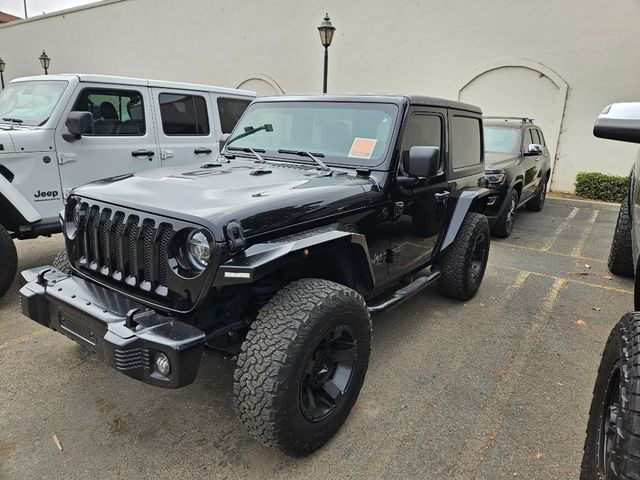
(124, 247)
(132, 358)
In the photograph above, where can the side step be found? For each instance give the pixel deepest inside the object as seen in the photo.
(405, 293)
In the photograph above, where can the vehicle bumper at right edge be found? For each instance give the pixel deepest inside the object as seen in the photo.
(131, 338)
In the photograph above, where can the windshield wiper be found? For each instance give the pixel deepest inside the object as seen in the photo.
(12, 120)
(267, 127)
(250, 150)
(312, 155)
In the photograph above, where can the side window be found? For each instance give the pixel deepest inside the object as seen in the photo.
(183, 114)
(115, 112)
(536, 137)
(422, 131)
(465, 142)
(231, 109)
(541, 137)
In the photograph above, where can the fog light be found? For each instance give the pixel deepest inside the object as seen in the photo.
(162, 364)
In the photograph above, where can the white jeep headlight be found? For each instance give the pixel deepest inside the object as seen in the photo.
(198, 249)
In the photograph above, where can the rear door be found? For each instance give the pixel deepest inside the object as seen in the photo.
(531, 163)
(186, 131)
(124, 139)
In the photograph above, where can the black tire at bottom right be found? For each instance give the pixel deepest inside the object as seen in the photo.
(612, 446)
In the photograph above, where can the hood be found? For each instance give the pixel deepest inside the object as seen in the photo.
(260, 196)
(498, 161)
(6, 142)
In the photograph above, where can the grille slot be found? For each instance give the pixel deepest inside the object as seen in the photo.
(132, 359)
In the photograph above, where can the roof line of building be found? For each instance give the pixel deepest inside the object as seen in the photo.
(88, 6)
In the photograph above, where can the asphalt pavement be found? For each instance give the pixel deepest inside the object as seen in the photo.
(498, 387)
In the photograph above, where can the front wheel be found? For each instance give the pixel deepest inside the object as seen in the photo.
(302, 365)
(463, 264)
(537, 202)
(504, 224)
(612, 446)
(8, 260)
(621, 254)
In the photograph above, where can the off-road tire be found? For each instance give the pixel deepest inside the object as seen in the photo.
(621, 255)
(456, 279)
(621, 357)
(61, 262)
(280, 343)
(504, 224)
(537, 201)
(8, 261)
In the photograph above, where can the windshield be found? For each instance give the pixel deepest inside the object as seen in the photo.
(30, 103)
(339, 132)
(501, 140)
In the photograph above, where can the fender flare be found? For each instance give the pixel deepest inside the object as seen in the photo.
(259, 260)
(21, 204)
(464, 203)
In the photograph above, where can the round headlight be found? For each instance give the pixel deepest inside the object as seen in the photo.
(198, 249)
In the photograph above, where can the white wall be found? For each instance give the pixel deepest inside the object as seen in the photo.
(431, 47)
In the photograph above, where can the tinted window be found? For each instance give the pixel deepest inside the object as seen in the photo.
(183, 114)
(465, 142)
(115, 112)
(422, 131)
(231, 109)
(528, 138)
(541, 137)
(536, 137)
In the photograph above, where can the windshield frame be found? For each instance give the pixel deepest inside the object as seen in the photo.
(52, 108)
(518, 144)
(381, 163)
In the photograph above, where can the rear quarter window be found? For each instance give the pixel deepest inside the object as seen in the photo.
(231, 109)
(466, 142)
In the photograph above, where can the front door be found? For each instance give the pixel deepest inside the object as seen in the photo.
(418, 210)
(186, 130)
(531, 163)
(124, 140)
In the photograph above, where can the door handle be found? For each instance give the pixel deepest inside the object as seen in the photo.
(205, 151)
(142, 153)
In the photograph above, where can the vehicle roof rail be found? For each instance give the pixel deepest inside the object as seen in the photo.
(505, 118)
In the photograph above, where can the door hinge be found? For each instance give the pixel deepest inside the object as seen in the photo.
(398, 209)
(164, 154)
(66, 158)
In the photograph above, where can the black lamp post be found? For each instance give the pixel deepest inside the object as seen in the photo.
(326, 30)
(2, 64)
(45, 61)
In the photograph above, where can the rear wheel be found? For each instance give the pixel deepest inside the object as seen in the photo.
(302, 365)
(8, 260)
(537, 202)
(504, 225)
(620, 255)
(463, 264)
(612, 446)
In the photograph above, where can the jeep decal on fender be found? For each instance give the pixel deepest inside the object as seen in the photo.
(41, 196)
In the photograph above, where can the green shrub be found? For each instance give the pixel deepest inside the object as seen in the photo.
(599, 186)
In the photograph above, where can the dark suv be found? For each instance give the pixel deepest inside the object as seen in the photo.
(518, 169)
(321, 211)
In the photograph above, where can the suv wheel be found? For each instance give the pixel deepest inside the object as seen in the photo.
(537, 202)
(504, 225)
(612, 447)
(302, 365)
(61, 262)
(8, 260)
(463, 264)
(620, 255)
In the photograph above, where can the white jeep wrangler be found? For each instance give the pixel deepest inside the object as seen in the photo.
(60, 131)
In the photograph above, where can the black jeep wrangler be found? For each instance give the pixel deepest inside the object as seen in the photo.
(321, 211)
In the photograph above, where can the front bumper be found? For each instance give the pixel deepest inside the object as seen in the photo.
(126, 334)
(496, 203)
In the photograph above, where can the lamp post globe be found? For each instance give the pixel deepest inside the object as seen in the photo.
(326, 30)
(45, 61)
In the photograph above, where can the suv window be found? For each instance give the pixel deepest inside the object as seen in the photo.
(528, 138)
(541, 137)
(231, 109)
(465, 142)
(422, 131)
(115, 112)
(536, 137)
(183, 114)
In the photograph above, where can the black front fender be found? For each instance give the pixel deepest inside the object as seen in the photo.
(459, 206)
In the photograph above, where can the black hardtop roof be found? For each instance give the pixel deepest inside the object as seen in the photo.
(369, 98)
(509, 122)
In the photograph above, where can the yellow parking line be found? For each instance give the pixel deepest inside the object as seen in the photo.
(23, 338)
(577, 251)
(539, 250)
(552, 239)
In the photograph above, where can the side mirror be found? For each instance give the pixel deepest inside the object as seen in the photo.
(533, 149)
(222, 142)
(423, 162)
(78, 123)
(619, 121)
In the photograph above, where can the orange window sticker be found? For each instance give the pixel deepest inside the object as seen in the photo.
(362, 147)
